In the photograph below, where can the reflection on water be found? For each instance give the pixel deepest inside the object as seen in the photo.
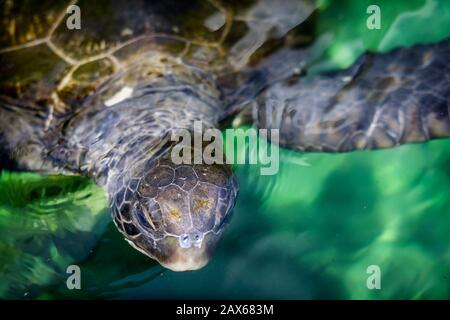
(311, 231)
(46, 223)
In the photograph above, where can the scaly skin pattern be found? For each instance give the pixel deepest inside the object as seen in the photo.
(166, 211)
(173, 213)
(382, 101)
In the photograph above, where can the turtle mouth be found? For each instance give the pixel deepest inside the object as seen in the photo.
(189, 251)
(186, 259)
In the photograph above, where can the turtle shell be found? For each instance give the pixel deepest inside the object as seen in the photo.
(46, 65)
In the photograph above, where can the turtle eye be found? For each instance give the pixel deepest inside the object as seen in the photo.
(143, 220)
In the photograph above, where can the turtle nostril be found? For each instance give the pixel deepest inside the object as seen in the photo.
(185, 241)
(197, 239)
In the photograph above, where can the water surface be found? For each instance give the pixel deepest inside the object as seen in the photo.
(308, 232)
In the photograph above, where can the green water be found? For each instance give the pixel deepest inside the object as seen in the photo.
(308, 232)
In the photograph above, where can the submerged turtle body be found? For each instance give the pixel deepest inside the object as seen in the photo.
(103, 102)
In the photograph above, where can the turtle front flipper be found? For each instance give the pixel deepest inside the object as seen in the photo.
(383, 100)
(21, 133)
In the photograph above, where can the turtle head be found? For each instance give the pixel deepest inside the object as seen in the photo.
(174, 213)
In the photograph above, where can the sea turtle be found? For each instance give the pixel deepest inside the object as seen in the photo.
(103, 101)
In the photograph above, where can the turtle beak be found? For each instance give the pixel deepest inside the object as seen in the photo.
(191, 251)
(187, 260)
